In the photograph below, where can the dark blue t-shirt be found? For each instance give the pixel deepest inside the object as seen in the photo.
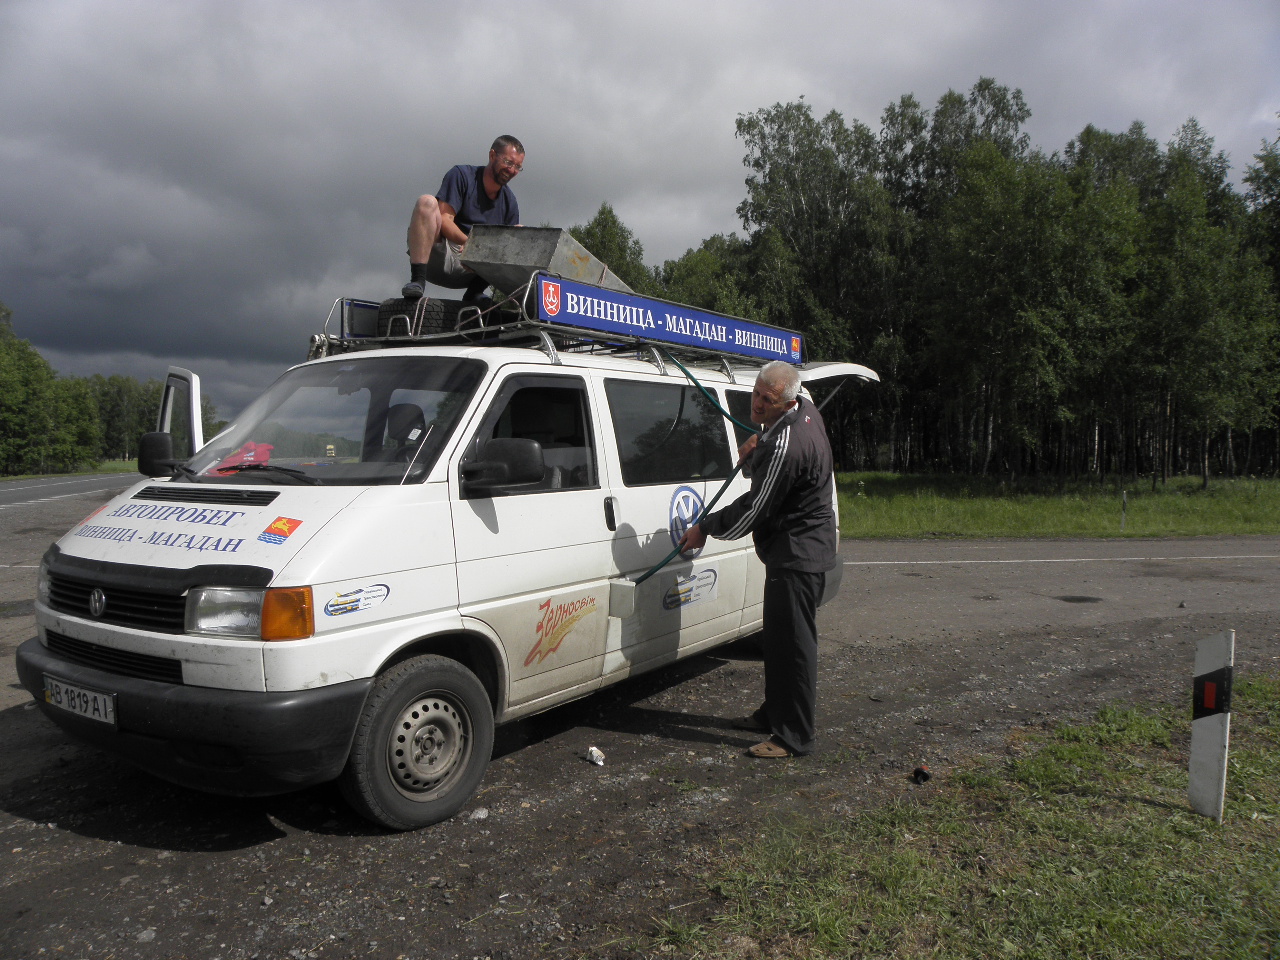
(463, 189)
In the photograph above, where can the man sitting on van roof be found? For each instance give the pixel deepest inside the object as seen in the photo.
(440, 225)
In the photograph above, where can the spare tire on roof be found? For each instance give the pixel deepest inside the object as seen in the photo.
(400, 317)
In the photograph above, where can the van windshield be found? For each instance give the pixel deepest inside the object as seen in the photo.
(351, 421)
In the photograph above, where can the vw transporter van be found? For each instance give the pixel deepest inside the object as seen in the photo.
(407, 539)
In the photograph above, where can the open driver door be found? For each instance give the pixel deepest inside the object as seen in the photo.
(179, 429)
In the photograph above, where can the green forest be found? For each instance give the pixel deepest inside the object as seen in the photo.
(1108, 310)
(53, 424)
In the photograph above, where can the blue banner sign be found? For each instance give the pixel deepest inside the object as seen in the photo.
(625, 314)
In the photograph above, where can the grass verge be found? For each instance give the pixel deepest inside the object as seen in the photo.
(1079, 843)
(889, 506)
(106, 466)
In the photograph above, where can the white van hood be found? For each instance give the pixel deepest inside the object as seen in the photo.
(179, 525)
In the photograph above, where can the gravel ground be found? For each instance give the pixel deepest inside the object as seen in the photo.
(933, 652)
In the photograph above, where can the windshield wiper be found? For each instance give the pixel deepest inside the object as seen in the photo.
(297, 476)
(188, 473)
(180, 468)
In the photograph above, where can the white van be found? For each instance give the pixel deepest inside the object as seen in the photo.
(401, 544)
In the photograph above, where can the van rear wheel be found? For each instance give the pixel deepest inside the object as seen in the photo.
(421, 746)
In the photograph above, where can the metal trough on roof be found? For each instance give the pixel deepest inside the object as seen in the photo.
(508, 257)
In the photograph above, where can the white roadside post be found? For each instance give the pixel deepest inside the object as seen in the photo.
(1211, 724)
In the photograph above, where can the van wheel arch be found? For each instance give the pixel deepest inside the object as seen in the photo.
(474, 651)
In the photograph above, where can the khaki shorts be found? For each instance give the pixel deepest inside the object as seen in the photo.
(444, 266)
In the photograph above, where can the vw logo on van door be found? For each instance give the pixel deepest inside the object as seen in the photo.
(686, 506)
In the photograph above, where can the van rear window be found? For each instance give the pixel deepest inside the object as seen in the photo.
(667, 433)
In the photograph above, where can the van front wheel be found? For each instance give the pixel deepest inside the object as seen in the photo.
(422, 744)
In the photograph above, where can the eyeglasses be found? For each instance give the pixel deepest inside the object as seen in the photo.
(510, 164)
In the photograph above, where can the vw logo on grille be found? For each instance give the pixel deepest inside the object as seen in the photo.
(97, 602)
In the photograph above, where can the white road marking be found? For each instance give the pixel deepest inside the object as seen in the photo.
(907, 563)
(61, 496)
(31, 484)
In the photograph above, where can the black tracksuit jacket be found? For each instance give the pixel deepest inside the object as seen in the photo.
(790, 509)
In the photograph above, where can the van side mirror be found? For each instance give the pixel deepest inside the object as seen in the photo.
(155, 455)
(506, 464)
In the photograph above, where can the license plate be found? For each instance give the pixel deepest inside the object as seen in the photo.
(82, 701)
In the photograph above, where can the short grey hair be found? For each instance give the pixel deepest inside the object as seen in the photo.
(781, 374)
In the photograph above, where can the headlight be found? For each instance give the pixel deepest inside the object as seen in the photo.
(277, 614)
(42, 584)
(225, 612)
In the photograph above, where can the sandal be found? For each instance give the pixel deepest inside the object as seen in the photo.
(770, 749)
(749, 722)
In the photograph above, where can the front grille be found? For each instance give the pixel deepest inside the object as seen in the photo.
(186, 493)
(128, 664)
(161, 613)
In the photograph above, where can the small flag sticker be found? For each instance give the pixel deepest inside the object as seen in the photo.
(279, 530)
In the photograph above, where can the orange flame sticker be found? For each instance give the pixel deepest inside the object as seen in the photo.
(556, 623)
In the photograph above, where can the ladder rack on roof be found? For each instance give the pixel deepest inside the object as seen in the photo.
(564, 301)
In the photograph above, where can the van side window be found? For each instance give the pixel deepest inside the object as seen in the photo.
(553, 411)
(667, 433)
(739, 404)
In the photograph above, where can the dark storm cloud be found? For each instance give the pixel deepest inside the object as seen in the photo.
(196, 182)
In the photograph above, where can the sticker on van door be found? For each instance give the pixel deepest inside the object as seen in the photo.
(691, 589)
(558, 621)
(686, 506)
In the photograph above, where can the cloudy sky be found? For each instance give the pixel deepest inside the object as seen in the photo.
(195, 182)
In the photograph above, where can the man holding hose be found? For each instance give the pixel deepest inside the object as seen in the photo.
(790, 513)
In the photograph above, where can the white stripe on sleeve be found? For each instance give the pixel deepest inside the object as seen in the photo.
(741, 528)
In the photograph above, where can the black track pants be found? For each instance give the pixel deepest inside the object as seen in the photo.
(791, 655)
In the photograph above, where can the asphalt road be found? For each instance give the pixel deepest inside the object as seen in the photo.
(22, 493)
(920, 589)
(933, 651)
(34, 513)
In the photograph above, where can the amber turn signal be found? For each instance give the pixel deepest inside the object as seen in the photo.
(288, 614)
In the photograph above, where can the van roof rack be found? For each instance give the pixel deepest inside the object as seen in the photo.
(563, 301)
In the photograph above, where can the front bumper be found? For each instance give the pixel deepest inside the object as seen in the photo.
(234, 742)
